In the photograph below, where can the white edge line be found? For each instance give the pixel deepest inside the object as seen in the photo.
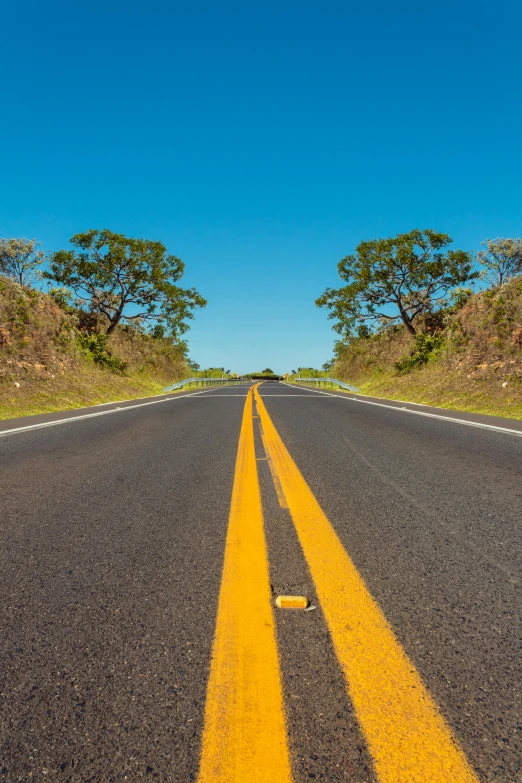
(480, 425)
(43, 424)
(309, 389)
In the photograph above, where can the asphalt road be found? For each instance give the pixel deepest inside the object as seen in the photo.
(113, 533)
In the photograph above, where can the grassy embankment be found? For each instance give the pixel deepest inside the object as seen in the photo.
(53, 357)
(466, 358)
(469, 358)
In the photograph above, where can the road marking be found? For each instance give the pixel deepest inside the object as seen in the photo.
(244, 737)
(309, 389)
(83, 416)
(275, 478)
(43, 424)
(406, 734)
(478, 424)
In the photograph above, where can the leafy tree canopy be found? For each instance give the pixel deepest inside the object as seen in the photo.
(20, 259)
(501, 260)
(127, 279)
(395, 279)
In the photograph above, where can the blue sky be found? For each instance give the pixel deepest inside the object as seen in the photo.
(261, 142)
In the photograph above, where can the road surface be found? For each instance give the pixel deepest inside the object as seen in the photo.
(143, 545)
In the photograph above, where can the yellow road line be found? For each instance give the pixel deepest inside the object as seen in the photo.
(275, 478)
(406, 734)
(244, 737)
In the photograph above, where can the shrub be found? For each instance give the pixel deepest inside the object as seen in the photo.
(459, 297)
(426, 346)
(95, 347)
(62, 297)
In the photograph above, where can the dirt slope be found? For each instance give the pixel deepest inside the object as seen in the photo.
(468, 358)
(53, 357)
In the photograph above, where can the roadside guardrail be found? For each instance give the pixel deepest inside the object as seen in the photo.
(202, 382)
(318, 381)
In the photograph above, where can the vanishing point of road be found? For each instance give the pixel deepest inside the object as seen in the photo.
(142, 548)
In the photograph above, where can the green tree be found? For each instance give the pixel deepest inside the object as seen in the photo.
(20, 259)
(501, 260)
(395, 279)
(127, 279)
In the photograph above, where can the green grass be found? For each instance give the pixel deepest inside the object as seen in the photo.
(446, 390)
(85, 387)
(49, 362)
(449, 390)
(472, 361)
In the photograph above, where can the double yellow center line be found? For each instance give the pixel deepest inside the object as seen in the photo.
(245, 737)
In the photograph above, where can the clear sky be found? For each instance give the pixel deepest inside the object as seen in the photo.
(260, 141)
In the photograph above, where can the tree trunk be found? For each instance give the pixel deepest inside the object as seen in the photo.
(115, 321)
(406, 320)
